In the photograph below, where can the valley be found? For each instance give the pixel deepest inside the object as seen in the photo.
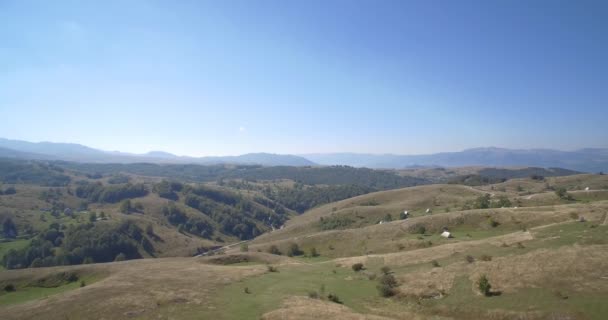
(541, 242)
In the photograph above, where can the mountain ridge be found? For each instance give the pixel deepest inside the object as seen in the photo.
(584, 159)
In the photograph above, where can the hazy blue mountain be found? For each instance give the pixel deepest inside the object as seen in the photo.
(588, 160)
(81, 153)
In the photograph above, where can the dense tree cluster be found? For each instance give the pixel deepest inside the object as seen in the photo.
(475, 180)
(485, 202)
(96, 192)
(335, 222)
(167, 189)
(301, 198)
(118, 179)
(332, 175)
(9, 229)
(84, 243)
(235, 215)
(31, 172)
(193, 225)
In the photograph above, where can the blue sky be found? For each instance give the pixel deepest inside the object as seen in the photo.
(231, 77)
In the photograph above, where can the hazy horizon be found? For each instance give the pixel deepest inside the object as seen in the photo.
(300, 154)
(228, 78)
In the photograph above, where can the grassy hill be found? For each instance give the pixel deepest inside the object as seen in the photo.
(541, 242)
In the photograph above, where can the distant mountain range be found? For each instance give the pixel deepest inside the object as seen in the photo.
(79, 153)
(587, 160)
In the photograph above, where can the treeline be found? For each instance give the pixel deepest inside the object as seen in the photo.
(96, 192)
(331, 175)
(86, 243)
(235, 215)
(475, 180)
(32, 172)
(497, 175)
(193, 225)
(302, 198)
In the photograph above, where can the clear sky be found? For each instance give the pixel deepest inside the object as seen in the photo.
(231, 77)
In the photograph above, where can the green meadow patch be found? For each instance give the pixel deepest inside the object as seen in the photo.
(24, 292)
(252, 297)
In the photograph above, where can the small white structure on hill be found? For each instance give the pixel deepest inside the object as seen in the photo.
(587, 189)
(428, 210)
(446, 233)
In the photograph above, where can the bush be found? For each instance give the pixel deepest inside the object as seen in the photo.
(120, 257)
(9, 288)
(313, 295)
(272, 268)
(357, 267)
(484, 285)
(435, 264)
(469, 259)
(83, 284)
(334, 298)
(386, 285)
(420, 229)
(385, 291)
(385, 270)
(313, 252)
(294, 250)
(244, 247)
(563, 194)
(274, 250)
(246, 290)
(485, 257)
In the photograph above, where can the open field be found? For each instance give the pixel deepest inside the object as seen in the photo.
(545, 259)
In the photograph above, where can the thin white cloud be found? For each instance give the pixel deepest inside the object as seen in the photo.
(242, 129)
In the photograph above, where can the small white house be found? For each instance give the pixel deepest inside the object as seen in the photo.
(428, 210)
(446, 234)
(587, 189)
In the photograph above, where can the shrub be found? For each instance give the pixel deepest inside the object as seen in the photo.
(485, 257)
(420, 229)
(563, 194)
(83, 284)
(313, 295)
(334, 298)
(469, 259)
(120, 257)
(244, 247)
(386, 285)
(313, 252)
(435, 264)
(9, 288)
(246, 290)
(494, 223)
(357, 267)
(484, 285)
(274, 250)
(385, 291)
(272, 268)
(385, 270)
(294, 250)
